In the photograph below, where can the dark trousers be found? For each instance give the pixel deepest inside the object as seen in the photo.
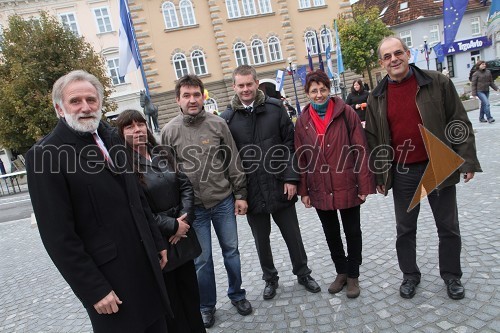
(286, 220)
(352, 229)
(159, 326)
(182, 288)
(443, 204)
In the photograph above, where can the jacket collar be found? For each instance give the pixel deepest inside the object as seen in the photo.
(189, 120)
(260, 99)
(420, 75)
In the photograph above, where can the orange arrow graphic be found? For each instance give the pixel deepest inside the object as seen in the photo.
(443, 161)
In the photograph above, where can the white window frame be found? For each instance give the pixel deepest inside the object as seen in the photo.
(325, 38)
(265, 6)
(403, 6)
(274, 48)
(241, 54)
(233, 9)
(198, 62)
(105, 18)
(304, 4)
(475, 26)
(169, 15)
(249, 8)
(70, 23)
(434, 35)
(311, 42)
(113, 64)
(187, 13)
(258, 52)
(406, 37)
(180, 65)
(317, 3)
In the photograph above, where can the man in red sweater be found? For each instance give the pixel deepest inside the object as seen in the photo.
(405, 99)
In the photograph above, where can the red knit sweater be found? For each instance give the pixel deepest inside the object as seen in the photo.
(404, 118)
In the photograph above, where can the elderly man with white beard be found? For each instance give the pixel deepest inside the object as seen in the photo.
(93, 218)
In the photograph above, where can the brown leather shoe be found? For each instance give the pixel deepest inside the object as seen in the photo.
(352, 288)
(338, 284)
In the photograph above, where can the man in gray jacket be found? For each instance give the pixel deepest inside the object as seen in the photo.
(207, 154)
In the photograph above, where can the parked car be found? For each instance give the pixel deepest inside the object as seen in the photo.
(492, 65)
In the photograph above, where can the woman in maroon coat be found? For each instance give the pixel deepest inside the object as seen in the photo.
(333, 160)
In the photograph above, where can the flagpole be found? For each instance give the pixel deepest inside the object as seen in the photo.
(292, 71)
(143, 73)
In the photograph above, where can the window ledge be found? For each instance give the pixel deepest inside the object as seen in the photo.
(250, 17)
(184, 27)
(312, 8)
(112, 32)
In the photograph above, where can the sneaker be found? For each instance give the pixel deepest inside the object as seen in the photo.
(491, 120)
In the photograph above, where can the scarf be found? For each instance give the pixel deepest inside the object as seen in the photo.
(321, 124)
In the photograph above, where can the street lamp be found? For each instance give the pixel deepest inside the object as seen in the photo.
(292, 70)
(426, 51)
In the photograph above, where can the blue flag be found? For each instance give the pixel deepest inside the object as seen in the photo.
(129, 57)
(438, 50)
(493, 23)
(320, 59)
(302, 72)
(414, 55)
(280, 78)
(453, 11)
(340, 63)
(329, 66)
(311, 68)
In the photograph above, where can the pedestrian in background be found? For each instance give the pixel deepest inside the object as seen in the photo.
(204, 147)
(482, 80)
(92, 215)
(357, 99)
(170, 196)
(261, 128)
(407, 98)
(328, 133)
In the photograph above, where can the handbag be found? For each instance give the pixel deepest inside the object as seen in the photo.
(186, 249)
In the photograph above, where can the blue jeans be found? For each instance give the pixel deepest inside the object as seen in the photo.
(224, 222)
(485, 105)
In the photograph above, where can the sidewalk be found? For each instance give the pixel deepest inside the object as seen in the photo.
(35, 298)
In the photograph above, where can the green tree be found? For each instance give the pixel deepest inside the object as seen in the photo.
(34, 54)
(359, 37)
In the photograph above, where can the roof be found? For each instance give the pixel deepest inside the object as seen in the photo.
(416, 9)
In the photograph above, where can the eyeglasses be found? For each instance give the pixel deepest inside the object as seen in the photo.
(322, 91)
(397, 54)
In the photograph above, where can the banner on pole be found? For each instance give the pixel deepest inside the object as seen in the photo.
(128, 55)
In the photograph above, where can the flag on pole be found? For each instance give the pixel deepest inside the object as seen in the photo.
(302, 72)
(329, 65)
(414, 55)
(340, 62)
(438, 50)
(311, 68)
(453, 11)
(129, 57)
(280, 79)
(320, 59)
(493, 23)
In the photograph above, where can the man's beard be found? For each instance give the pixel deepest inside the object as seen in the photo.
(83, 125)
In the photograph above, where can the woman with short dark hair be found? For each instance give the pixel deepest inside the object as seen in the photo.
(357, 98)
(333, 160)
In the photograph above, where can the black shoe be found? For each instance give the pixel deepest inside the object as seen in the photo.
(455, 289)
(483, 120)
(270, 289)
(243, 306)
(208, 318)
(308, 282)
(491, 120)
(407, 288)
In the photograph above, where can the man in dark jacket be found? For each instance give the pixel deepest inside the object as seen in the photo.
(264, 134)
(405, 100)
(93, 219)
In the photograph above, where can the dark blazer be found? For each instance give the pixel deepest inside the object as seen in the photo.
(264, 138)
(96, 226)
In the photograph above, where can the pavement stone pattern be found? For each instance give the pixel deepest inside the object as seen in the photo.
(35, 298)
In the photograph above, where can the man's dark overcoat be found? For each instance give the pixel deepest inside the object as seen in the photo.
(96, 226)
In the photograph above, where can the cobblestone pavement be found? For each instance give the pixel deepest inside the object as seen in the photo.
(34, 297)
